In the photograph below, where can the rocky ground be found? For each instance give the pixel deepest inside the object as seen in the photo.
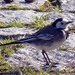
(29, 55)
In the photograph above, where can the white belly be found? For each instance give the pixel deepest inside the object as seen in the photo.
(49, 47)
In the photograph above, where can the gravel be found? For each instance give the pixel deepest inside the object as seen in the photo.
(30, 56)
(24, 16)
(22, 3)
(68, 5)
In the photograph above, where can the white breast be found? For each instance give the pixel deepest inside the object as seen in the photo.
(49, 47)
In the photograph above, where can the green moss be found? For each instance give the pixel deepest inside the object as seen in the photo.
(15, 24)
(12, 24)
(14, 7)
(40, 22)
(6, 51)
(37, 23)
(29, 71)
(5, 67)
(56, 3)
(65, 48)
(68, 71)
(62, 48)
(47, 7)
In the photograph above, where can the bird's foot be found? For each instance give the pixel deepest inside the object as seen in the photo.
(45, 63)
(51, 64)
(54, 64)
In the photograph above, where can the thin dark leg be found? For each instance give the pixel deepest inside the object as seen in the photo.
(46, 57)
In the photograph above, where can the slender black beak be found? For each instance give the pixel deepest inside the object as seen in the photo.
(69, 22)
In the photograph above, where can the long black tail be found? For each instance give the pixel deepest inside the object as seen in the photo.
(22, 41)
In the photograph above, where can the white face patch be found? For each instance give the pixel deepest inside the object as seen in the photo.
(65, 20)
(62, 24)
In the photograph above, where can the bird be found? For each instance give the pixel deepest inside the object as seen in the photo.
(8, 1)
(47, 38)
(29, 1)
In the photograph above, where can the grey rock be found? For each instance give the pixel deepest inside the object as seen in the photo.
(22, 3)
(70, 42)
(15, 31)
(68, 16)
(24, 16)
(68, 5)
(32, 57)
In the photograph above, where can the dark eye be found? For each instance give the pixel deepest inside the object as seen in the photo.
(62, 23)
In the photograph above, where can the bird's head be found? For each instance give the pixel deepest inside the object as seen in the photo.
(61, 23)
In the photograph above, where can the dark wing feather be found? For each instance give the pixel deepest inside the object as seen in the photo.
(45, 36)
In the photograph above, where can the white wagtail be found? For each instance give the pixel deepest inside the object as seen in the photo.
(47, 38)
